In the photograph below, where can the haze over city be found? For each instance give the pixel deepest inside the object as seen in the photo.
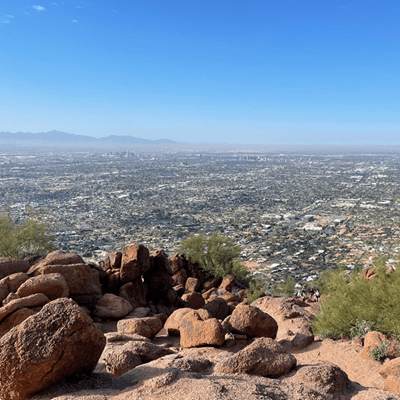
(260, 72)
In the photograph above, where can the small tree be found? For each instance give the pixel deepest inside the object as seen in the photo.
(217, 254)
(27, 237)
(220, 256)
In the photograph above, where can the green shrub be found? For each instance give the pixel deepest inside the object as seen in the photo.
(360, 328)
(379, 352)
(218, 255)
(356, 305)
(27, 237)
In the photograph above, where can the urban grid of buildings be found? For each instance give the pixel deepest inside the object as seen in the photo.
(293, 214)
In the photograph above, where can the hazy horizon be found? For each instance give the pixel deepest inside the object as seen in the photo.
(269, 73)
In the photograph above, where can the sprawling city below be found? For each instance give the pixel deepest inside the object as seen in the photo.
(293, 214)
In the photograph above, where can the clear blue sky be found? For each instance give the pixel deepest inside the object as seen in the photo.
(254, 72)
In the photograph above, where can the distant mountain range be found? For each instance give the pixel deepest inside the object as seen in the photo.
(56, 137)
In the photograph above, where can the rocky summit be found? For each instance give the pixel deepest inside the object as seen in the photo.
(143, 325)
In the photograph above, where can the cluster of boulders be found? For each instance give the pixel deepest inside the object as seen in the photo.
(53, 311)
(53, 314)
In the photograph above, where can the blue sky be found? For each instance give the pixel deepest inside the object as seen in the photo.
(203, 71)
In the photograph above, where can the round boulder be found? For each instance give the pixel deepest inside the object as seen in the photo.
(251, 321)
(53, 286)
(147, 326)
(112, 306)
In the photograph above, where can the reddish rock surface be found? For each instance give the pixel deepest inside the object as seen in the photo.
(135, 292)
(147, 326)
(53, 286)
(192, 284)
(113, 260)
(264, 357)
(10, 266)
(177, 262)
(325, 378)
(11, 283)
(180, 277)
(197, 329)
(55, 258)
(57, 342)
(228, 283)
(218, 308)
(135, 262)
(251, 321)
(15, 319)
(121, 361)
(80, 278)
(112, 306)
(195, 300)
(34, 300)
(173, 323)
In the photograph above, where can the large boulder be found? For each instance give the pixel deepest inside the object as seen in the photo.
(195, 300)
(55, 258)
(264, 357)
(80, 278)
(177, 262)
(251, 321)
(34, 300)
(293, 317)
(158, 277)
(112, 306)
(147, 326)
(325, 378)
(294, 334)
(391, 367)
(281, 308)
(180, 277)
(198, 329)
(135, 262)
(10, 266)
(146, 351)
(57, 342)
(134, 292)
(173, 323)
(121, 361)
(11, 283)
(218, 308)
(113, 260)
(53, 286)
(192, 284)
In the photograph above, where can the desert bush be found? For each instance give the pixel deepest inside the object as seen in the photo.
(218, 255)
(27, 237)
(356, 305)
(379, 352)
